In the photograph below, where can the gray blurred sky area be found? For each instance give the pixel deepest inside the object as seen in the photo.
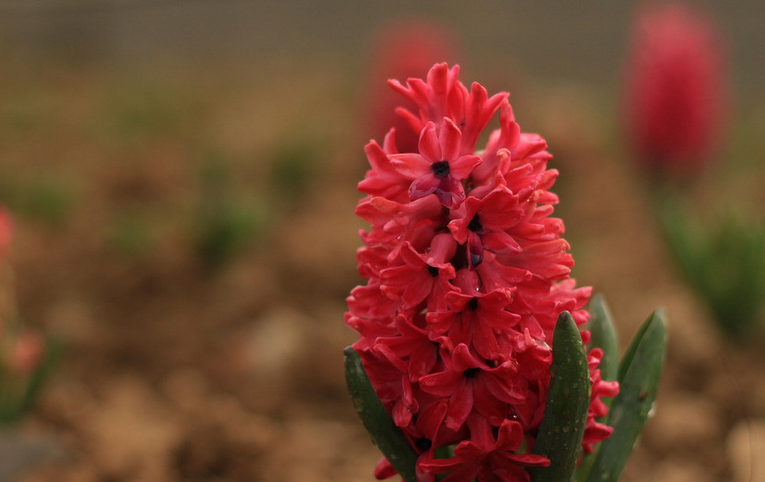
(582, 40)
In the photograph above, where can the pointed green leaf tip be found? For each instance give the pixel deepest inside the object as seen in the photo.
(568, 401)
(639, 374)
(384, 433)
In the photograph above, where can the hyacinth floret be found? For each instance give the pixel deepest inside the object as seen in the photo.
(466, 274)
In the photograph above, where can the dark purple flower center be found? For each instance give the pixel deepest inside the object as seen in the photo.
(433, 271)
(475, 224)
(423, 444)
(440, 169)
(475, 258)
(470, 372)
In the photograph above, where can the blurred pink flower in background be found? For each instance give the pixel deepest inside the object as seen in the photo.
(675, 81)
(21, 350)
(402, 50)
(6, 233)
(27, 353)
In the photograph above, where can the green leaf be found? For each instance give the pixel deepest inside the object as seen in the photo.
(639, 375)
(568, 401)
(53, 350)
(629, 354)
(19, 395)
(378, 422)
(603, 336)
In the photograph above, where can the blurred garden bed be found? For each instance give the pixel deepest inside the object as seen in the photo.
(189, 233)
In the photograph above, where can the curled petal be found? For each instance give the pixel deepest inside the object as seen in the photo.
(421, 187)
(460, 406)
(450, 192)
(451, 139)
(410, 165)
(464, 165)
(429, 146)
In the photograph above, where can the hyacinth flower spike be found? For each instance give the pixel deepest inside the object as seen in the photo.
(473, 361)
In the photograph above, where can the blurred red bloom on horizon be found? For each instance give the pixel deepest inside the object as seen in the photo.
(399, 51)
(6, 232)
(21, 350)
(675, 89)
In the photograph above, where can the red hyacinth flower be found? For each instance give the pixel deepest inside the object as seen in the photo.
(467, 381)
(482, 223)
(475, 320)
(438, 167)
(488, 457)
(420, 276)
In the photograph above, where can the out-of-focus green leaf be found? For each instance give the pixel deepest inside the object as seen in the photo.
(724, 264)
(54, 347)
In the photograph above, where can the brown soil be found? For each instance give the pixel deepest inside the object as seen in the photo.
(185, 367)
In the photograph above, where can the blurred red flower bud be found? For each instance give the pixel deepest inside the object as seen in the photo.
(675, 89)
(402, 50)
